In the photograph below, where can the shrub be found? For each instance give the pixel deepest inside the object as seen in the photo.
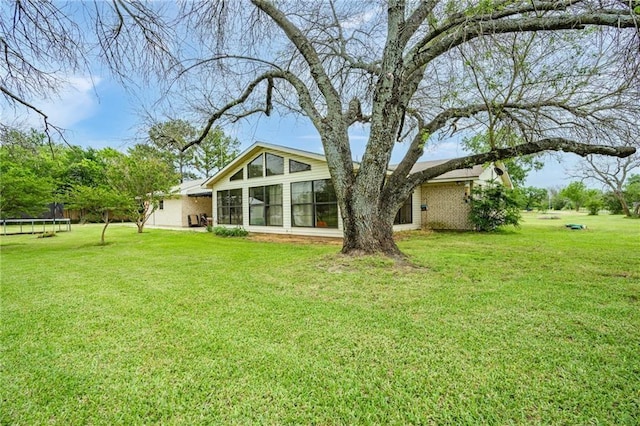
(230, 232)
(493, 206)
(593, 206)
(576, 192)
(612, 204)
(560, 203)
(531, 198)
(594, 201)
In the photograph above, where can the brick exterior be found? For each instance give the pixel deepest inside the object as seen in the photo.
(446, 206)
(196, 206)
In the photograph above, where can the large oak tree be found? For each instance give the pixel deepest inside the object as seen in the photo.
(410, 70)
(557, 75)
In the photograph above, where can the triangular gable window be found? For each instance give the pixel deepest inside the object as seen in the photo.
(266, 164)
(297, 166)
(239, 175)
(275, 164)
(255, 167)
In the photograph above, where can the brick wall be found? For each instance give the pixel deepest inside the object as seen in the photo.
(197, 206)
(446, 208)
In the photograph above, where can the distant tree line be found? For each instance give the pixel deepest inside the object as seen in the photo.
(577, 195)
(97, 184)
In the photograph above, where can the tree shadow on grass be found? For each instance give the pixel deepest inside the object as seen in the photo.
(94, 244)
(11, 245)
(368, 264)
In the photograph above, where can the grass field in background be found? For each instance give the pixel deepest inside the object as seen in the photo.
(533, 325)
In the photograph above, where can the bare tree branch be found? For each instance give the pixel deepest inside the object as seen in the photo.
(462, 19)
(610, 172)
(304, 98)
(48, 126)
(304, 46)
(417, 18)
(469, 31)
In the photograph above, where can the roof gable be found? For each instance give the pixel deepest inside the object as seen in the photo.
(257, 148)
(254, 150)
(190, 187)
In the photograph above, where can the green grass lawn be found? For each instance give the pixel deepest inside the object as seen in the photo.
(527, 326)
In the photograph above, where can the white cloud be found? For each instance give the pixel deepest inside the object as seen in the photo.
(362, 18)
(74, 102)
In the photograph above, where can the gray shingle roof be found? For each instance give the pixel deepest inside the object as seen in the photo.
(459, 174)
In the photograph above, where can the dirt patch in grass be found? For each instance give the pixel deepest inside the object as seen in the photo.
(295, 239)
(414, 233)
(366, 263)
(336, 241)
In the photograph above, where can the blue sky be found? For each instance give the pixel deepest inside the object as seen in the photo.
(97, 112)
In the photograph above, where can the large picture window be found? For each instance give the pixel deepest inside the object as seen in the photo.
(265, 205)
(230, 207)
(314, 204)
(405, 214)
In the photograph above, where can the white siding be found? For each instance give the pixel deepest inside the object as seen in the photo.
(170, 215)
(488, 175)
(318, 171)
(176, 210)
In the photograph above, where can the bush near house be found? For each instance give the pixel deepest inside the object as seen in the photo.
(222, 231)
(493, 206)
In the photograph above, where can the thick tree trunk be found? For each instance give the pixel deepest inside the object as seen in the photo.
(367, 230)
(369, 236)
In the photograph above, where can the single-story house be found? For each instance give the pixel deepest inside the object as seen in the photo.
(276, 189)
(184, 206)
